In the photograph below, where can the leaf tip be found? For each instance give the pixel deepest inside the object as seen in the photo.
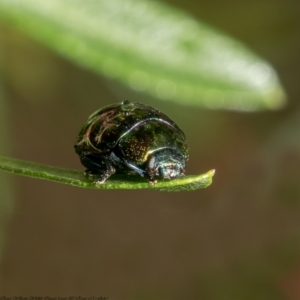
(277, 99)
(211, 173)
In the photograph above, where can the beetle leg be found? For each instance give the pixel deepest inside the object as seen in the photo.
(134, 168)
(141, 172)
(150, 178)
(99, 166)
(105, 174)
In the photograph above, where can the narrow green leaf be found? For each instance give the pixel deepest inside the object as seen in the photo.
(77, 178)
(151, 48)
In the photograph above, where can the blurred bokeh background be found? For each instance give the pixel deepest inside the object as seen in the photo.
(237, 239)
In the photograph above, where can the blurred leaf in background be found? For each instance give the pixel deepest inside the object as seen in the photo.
(151, 48)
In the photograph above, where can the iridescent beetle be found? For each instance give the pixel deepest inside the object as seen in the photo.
(132, 137)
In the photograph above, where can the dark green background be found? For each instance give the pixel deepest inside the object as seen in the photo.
(238, 239)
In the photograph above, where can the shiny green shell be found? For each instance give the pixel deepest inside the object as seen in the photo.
(132, 130)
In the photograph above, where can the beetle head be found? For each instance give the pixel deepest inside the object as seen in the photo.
(167, 163)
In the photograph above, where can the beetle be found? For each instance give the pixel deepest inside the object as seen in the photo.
(132, 138)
